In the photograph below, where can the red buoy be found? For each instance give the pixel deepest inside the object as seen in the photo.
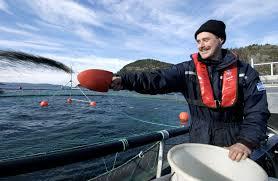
(43, 103)
(93, 104)
(183, 118)
(69, 100)
(95, 79)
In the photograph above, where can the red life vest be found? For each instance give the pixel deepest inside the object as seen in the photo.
(229, 85)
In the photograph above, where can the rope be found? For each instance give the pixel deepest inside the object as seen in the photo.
(114, 163)
(159, 124)
(56, 92)
(153, 161)
(67, 83)
(133, 159)
(133, 171)
(125, 144)
(164, 133)
(105, 164)
(79, 100)
(84, 94)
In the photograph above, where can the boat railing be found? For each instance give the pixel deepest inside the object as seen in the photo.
(268, 71)
(41, 161)
(271, 64)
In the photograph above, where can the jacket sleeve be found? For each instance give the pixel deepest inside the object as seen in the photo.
(256, 113)
(155, 82)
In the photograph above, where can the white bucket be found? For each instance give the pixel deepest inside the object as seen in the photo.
(192, 161)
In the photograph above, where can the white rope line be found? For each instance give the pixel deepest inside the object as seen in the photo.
(58, 91)
(84, 94)
(159, 124)
(139, 155)
(116, 155)
(80, 100)
(125, 144)
(165, 134)
(67, 83)
(70, 87)
(105, 164)
(114, 163)
(154, 161)
(110, 171)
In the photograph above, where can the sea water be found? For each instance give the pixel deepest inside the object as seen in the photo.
(26, 128)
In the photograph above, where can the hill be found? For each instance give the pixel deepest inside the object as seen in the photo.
(144, 65)
(259, 53)
(14, 86)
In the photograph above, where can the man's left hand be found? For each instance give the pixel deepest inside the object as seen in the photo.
(238, 151)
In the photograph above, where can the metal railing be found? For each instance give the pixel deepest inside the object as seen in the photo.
(272, 76)
(266, 63)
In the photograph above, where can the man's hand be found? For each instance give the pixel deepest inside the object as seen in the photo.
(116, 83)
(238, 151)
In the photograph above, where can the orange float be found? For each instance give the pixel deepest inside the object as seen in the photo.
(95, 79)
(94, 104)
(183, 118)
(43, 103)
(69, 100)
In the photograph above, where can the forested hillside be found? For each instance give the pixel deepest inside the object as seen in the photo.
(144, 65)
(259, 53)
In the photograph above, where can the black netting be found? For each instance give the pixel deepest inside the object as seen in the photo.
(142, 166)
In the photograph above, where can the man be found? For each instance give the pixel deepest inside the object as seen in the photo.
(226, 98)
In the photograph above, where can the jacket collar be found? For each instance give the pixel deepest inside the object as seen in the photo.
(227, 59)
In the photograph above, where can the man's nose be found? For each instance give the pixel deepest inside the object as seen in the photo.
(200, 44)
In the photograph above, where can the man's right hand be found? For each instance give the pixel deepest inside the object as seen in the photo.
(116, 83)
(239, 152)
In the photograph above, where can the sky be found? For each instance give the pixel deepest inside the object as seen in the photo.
(108, 34)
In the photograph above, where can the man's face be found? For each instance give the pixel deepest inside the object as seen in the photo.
(208, 45)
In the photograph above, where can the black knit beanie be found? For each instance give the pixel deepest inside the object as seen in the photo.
(215, 27)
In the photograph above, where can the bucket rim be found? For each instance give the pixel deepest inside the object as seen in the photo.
(189, 177)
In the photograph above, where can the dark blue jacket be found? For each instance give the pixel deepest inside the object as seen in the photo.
(245, 122)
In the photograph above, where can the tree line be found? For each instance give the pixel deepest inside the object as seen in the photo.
(259, 54)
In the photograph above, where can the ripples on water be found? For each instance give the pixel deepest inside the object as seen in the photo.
(26, 128)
